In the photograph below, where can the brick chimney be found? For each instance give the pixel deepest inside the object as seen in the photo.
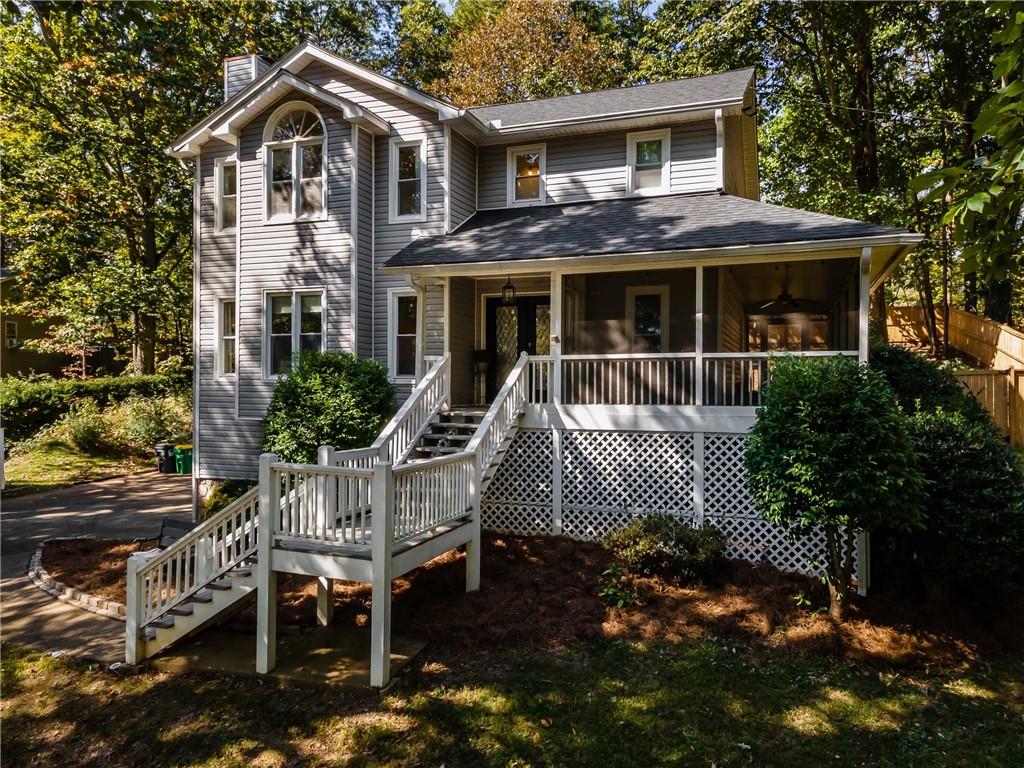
(239, 71)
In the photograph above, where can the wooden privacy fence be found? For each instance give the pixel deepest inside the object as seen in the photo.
(1002, 394)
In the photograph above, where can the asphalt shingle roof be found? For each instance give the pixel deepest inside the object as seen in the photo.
(672, 93)
(627, 225)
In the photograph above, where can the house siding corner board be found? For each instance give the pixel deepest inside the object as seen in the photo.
(593, 166)
(365, 245)
(291, 256)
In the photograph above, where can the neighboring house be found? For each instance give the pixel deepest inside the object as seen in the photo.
(16, 358)
(596, 269)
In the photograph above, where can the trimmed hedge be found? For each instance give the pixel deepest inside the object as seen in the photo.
(28, 406)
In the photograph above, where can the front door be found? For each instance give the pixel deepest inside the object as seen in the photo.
(513, 329)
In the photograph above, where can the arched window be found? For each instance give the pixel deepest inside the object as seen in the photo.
(293, 148)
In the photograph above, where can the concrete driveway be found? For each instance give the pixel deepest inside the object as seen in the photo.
(126, 507)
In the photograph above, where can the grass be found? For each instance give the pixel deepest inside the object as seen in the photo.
(701, 702)
(56, 464)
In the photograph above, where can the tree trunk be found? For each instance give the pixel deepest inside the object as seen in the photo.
(998, 295)
(971, 292)
(837, 598)
(880, 312)
(839, 547)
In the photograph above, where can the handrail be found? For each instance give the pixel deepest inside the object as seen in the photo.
(484, 436)
(413, 418)
(431, 493)
(633, 356)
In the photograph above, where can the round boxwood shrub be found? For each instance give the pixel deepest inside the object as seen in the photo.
(329, 398)
(922, 385)
(667, 546)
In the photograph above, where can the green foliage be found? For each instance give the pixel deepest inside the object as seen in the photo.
(150, 420)
(225, 493)
(618, 587)
(329, 398)
(920, 384)
(829, 449)
(668, 547)
(28, 406)
(87, 428)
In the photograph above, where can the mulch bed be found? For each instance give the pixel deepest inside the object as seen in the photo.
(543, 592)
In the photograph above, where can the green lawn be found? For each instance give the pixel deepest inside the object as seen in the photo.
(609, 703)
(56, 464)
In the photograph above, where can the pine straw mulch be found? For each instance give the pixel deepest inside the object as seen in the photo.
(543, 592)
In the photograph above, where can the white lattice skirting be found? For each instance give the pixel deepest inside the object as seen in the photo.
(609, 477)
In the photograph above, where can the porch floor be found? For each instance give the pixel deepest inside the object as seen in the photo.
(335, 656)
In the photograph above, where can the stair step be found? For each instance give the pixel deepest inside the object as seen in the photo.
(149, 633)
(164, 622)
(202, 596)
(185, 609)
(241, 570)
(222, 585)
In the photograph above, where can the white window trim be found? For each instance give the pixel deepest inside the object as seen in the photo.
(268, 145)
(632, 291)
(11, 339)
(218, 193)
(665, 134)
(510, 175)
(296, 294)
(393, 295)
(218, 350)
(394, 144)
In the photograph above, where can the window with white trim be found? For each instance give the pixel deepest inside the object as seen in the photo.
(647, 162)
(226, 336)
(226, 200)
(526, 175)
(402, 333)
(10, 334)
(407, 186)
(294, 324)
(295, 168)
(647, 318)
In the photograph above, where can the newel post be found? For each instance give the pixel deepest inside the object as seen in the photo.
(133, 610)
(329, 510)
(382, 523)
(266, 578)
(474, 543)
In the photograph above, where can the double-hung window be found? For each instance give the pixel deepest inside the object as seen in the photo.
(226, 335)
(526, 175)
(647, 162)
(226, 200)
(408, 181)
(11, 334)
(402, 337)
(294, 324)
(647, 318)
(296, 174)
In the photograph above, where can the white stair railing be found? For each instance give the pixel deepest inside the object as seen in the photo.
(431, 493)
(160, 581)
(502, 415)
(322, 504)
(428, 398)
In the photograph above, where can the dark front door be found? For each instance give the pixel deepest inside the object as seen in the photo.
(511, 330)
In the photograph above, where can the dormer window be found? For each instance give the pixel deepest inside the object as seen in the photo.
(296, 171)
(647, 162)
(526, 175)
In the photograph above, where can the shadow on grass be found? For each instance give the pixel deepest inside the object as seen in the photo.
(606, 703)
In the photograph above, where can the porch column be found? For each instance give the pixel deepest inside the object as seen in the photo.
(556, 338)
(266, 577)
(421, 327)
(698, 336)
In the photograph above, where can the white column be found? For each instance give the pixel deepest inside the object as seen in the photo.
(474, 543)
(556, 338)
(556, 482)
(133, 612)
(698, 335)
(698, 478)
(421, 328)
(383, 526)
(266, 578)
(324, 585)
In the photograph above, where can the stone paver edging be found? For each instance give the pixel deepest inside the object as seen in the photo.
(76, 597)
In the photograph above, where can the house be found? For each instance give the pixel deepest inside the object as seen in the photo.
(575, 296)
(17, 358)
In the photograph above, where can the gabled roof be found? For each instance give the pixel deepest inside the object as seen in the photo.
(634, 225)
(709, 91)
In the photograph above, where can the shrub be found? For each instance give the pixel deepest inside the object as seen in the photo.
(618, 587)
(27, 406)
(921, 385)
(225, 493)
(150, 420)
(829, 449)
(330, 398)
(86, 428)
(667, 546)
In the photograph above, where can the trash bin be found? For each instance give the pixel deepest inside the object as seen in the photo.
(183, 459)
(165, 461)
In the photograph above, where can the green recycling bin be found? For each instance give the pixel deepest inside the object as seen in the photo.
(183, 459)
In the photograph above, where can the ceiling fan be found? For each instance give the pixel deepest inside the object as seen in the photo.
(784, 302)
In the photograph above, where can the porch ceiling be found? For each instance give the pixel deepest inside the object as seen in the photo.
(681, 225)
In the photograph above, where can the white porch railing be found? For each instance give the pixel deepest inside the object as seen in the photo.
(431, 493)
(322, 504)
(629, 379)
(427, 399)
(739, 378)
(540, 379)
(159, 582)
(502, 414)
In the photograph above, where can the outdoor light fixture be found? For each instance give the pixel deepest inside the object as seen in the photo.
(508, 293)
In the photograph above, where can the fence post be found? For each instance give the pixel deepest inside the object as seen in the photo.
(473, 545)
(382, 522)
(324, 585)
(266, 578)
(133, 610)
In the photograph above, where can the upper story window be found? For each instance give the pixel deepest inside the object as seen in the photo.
(526, 175)
(225, 201)
(294, 324)
(295, 164)
(407, 186)
(647, 162)
(226, 336)
(11, 334)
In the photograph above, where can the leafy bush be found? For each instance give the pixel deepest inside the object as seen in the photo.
(667, 546)
(27, 406)
(146, 421)
(86, 428)
(225, 493)
(829, 448)
(330, 398)
(921, 385)
(618, 587)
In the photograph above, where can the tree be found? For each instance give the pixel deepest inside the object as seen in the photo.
(531, 49)
(829, 451)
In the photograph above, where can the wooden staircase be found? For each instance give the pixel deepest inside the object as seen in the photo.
(449, 432)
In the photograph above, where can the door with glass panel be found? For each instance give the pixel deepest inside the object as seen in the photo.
(523, 326)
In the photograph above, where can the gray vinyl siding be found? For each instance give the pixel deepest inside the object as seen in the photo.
(365, 245)
(225, 447)
(304, 255)
(237, 75)
(593, 166)
(434, 325)
(462, 172)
